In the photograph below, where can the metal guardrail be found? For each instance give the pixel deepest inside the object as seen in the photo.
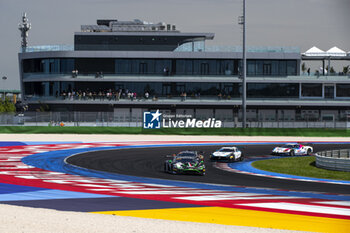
(338, 160)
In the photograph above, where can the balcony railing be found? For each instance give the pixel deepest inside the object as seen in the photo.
(45, 48)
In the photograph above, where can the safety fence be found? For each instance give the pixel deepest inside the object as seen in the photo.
(135, 119)
(334, 160)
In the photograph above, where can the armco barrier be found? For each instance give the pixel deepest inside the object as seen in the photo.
(334, 160)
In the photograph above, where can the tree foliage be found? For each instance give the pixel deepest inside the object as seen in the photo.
(7, 106)
(303, 67)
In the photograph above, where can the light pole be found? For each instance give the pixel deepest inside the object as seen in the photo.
(4, 78)
(242, 21)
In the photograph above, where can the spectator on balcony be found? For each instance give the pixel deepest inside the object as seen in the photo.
(166, 71)
(219, 96)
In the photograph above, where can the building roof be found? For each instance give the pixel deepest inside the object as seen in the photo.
(335, 51)
(314, 51)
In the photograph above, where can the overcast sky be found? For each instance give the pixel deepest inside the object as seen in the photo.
(301, 23)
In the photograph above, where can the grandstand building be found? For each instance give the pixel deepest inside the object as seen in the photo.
(128, 67)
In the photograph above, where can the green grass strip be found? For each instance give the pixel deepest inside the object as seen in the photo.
(301, 132)
(300, 166)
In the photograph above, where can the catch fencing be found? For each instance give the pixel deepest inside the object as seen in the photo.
(136, 120)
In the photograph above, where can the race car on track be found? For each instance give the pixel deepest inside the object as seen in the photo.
(185, 162)
(229, 154)
(293, 149)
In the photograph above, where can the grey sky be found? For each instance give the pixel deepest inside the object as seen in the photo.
(301, 23)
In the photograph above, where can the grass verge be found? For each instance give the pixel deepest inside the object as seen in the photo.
(300, 166)
(301, 132)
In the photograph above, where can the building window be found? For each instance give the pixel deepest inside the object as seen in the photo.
(267, 69)
(143, 68)
(204, 69)
(272, 90)
(291, 68)
(311, 90)
(343, 90)
(251, 68)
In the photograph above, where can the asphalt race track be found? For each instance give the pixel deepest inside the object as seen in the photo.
(148, 162)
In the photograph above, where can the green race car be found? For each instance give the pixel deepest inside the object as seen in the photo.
(185, 162)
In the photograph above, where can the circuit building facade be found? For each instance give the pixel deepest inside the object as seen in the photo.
(128, 67)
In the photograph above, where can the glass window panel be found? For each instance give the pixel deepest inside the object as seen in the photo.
(311, 90)
(229, 67)
(212, 66)
(283, 68)
(274, 68)
(291, 67)
(251, 67)
(160, 65)
(343, 90)
(188, 67)
(94, 65)
(272, 90)
(66, 66)
(181, 67)
(196, 67)
(259, 67)
(123, 66)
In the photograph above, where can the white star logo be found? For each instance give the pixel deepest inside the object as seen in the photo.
(156, 115)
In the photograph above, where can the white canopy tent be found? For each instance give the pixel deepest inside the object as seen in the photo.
(314, 51)
(336, 52)
(316, 54)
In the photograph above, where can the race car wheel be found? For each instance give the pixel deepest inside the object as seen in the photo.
(292, 153)
(241, 158)
(308, 152)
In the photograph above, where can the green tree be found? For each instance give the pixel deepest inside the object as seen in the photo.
(2, 108)
(9, 106)
(346, 69)
(303, 67)
(332, 71)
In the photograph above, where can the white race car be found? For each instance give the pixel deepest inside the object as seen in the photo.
(293, 149)
(227, 154)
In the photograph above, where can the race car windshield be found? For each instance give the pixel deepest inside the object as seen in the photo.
(225, 150)
(289, 146)
(187, 154)
(185, 160)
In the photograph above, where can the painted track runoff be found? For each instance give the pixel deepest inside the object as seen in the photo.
(166, 199)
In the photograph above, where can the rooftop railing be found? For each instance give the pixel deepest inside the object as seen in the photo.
(187, 47)
(45, 48)
(199, 47)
